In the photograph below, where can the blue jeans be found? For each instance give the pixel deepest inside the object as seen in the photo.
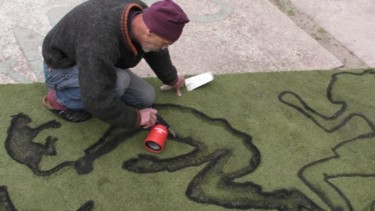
(130, 88)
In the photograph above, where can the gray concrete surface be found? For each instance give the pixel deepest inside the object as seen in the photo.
(351, 22)
(224, 36)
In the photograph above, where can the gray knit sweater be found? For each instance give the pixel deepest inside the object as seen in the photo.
(95, 36)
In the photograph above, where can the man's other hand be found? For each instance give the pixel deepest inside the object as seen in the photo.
(179, 84)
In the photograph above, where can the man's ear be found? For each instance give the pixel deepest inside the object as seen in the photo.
(148, 33)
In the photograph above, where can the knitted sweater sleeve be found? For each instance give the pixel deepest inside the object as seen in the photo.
(160, 62)
(97, 78)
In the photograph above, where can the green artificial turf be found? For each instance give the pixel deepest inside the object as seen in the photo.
(271, 141)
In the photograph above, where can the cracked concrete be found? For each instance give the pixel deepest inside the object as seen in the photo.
(327, 40)
(223, 36)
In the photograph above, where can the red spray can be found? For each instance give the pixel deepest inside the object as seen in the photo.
(157, 136)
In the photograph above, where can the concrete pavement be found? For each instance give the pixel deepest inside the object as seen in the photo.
(224, 36)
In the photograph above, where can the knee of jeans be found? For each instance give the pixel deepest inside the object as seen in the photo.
(149, 99)
(122, 82)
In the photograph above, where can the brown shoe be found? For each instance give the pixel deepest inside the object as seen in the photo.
(67, 114)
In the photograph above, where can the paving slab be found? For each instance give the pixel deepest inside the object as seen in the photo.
(350, 22)
(223, 37)
(255, 37)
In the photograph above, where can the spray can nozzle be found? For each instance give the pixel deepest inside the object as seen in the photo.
(157, 136)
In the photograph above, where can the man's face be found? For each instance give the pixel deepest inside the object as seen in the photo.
(153, 42)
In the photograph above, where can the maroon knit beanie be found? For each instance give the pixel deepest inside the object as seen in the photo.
(166, 19)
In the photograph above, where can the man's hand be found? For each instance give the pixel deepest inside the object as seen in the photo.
(179, 84)
(148, 117)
